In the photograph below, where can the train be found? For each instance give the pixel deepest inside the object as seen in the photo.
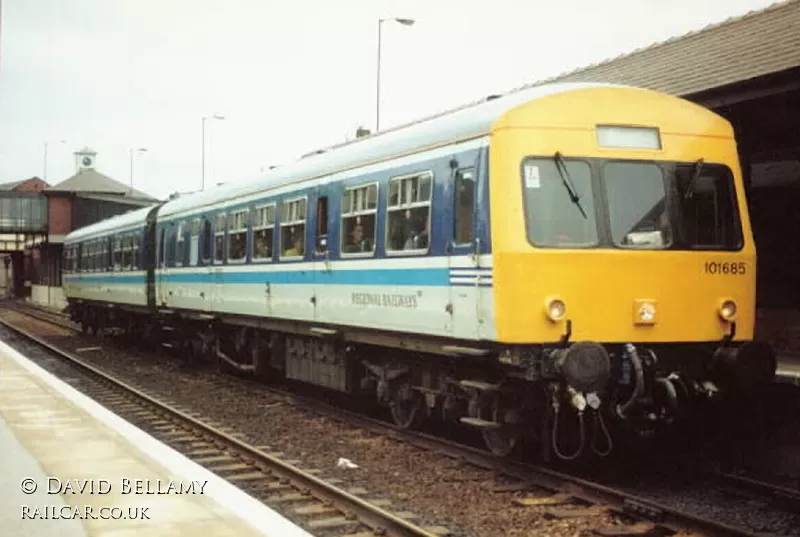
(552, 265)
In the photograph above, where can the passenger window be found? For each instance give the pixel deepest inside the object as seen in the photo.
(127, 250)
(359, 210)
(263, 227)
(219, 239)
(208, 242)
(194, 242)
(322, 224)
(408, 213)
(118, 251)
(464, 206)
(237, 236)
(293, 226)
(180, 245)
(135, 251)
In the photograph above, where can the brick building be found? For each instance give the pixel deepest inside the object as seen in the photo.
(86, 197)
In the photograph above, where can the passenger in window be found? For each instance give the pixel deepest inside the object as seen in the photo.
(400, 229)
(237, 248)
(262, 250)
(357, 243)
(418, 239)
(297, 247)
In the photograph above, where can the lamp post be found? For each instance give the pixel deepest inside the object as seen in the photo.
(404, 22)
(45, 158)
(203, 164)
(132, 151)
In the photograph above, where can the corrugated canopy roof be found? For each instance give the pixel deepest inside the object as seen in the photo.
(741, 48)
(90, 180)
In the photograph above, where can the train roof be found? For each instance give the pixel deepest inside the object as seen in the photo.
(471, 120)
(474, 119)
(131, 219)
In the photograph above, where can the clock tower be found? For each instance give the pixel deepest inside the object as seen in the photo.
(84, 159)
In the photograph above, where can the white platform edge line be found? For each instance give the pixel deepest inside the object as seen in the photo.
(241, 504)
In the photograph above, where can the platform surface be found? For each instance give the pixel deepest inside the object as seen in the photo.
(53, 435)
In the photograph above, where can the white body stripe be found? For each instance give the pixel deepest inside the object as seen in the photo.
(419, 309)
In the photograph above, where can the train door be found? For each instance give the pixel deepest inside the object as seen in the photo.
(206, 262)
(463, 261)
(161, 266)
(220, 253)
(149, 257)
(323, 299)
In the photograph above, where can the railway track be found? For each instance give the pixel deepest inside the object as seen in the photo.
(564, 495)
(316, 504)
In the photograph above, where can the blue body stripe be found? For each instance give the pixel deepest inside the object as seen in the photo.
(426, 277)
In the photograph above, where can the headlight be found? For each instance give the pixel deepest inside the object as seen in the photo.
(555, 309)
(727, 310)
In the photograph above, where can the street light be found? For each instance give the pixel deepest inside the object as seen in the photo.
(131, 151)
(203, 172)
(45, 158)
(404, 22)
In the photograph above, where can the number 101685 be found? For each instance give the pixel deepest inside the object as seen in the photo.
(736, 268)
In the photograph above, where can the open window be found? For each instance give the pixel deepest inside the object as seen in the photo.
(90, 255)
(194, 243)
(127, 252)
(136, 251)
(293, 227)
(219, 239)
(408, 213)
(263, 231)
(237, 236)
(180, 245)
(359, 217)
(118, 252)
(208, 242)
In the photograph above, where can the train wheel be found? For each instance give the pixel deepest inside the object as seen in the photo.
(404, 406)
(501, 442)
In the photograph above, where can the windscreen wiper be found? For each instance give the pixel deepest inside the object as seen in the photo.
(698, 167)
(565, 179)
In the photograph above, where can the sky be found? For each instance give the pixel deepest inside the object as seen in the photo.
(288, 77)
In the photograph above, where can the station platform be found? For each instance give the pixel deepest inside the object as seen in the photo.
(54, 439)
